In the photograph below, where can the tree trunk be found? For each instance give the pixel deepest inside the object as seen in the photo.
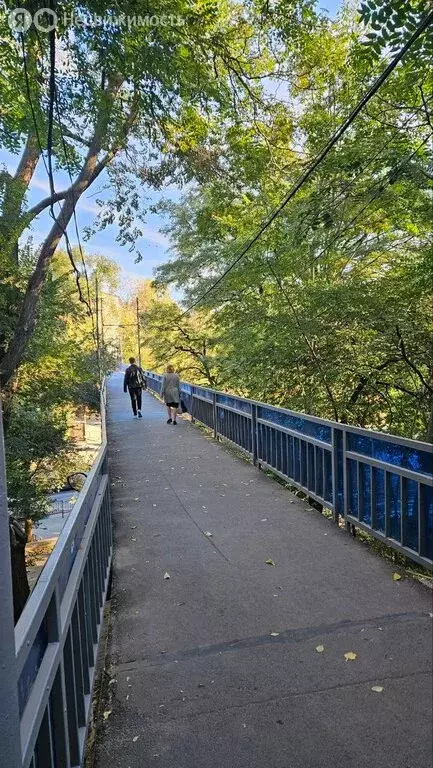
(90, 170)
(20, 584)
(28, 527)
(16, 186)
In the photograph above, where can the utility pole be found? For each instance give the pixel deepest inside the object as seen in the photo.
(102, 321)
(138, 332)
(10, 738)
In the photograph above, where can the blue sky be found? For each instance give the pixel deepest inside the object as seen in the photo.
(153, 245)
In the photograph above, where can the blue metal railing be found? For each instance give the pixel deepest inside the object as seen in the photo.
(57, 635)
(379, 482)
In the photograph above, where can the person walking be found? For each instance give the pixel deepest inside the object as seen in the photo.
(171, 393)
(134, 382)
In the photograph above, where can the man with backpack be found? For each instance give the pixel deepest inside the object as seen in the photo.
(134, 382)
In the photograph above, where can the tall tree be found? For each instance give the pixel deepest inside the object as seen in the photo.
(137, 102)
(327, 312)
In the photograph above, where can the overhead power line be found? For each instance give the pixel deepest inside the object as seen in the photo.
(428, 19)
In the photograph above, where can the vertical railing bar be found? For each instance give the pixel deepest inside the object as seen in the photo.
(300, 463)
(214, 415)
(95, 585)
(254, 435)
(107, 525)
(91, 595)
(101, 563)
(271, 446)
(59, 723)
(102, 545)
(373, 497)
(316, 466)
(71, 700)
(345, 476)
(106, 534)
(403, 510)
(290, 457)
(280, 452)
(421, 520)
(85, 641)
(78, 666)
(43, 747)
(104, 531)
(359, 470)
(387, 504)
(103, 557)
(284, 453)
(96, 565)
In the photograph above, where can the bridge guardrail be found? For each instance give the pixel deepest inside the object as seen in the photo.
(57, 635)
(381, 483)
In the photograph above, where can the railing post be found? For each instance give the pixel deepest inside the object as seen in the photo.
(338, 460)
(10, 738)
(192, 405)
(215, 419)
(254, 446)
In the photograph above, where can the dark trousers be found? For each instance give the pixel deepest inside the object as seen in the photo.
(135, 395)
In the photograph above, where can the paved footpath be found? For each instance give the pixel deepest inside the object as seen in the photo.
(217, 666)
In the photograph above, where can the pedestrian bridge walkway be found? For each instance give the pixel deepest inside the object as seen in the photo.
(234, 606)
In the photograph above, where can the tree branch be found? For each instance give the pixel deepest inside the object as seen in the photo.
(407, 360)
(45, 203)
(75, 136)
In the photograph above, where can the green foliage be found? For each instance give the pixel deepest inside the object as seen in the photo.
(57, 379)
(391, 23)
(328, 313)
(34, 439)
(187, 343)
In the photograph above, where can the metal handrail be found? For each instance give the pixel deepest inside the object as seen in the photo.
(57, 635)
(379, 482)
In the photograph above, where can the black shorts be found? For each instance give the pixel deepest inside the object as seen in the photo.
(172, 405)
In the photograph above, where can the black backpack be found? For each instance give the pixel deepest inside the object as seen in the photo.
(136, 378)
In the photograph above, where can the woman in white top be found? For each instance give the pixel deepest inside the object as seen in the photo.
(171, 393)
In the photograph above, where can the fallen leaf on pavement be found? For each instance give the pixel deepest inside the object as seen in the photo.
(320, 648)
(396, 577)
(107, 714)
(135, 738)
(350, 656)
(377, 688)
(269, 562)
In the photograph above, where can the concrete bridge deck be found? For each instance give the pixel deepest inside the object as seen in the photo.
(217, 666)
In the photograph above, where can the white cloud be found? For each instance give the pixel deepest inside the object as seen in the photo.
(156, 237)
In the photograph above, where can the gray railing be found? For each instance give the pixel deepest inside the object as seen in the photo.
(379, 482)
(57, 635)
